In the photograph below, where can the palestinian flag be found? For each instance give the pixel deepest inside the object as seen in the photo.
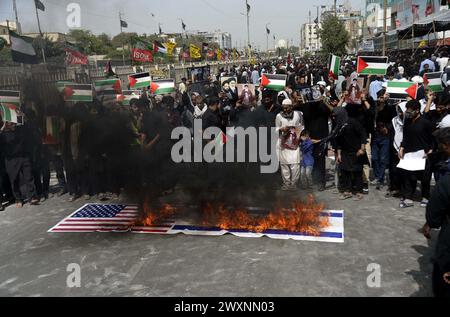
(78, 92)
(335, 64)
(108, 84)
(140, 80)
(10, 97)
(108, 95)
(128, 95)
(8, 112)
(162, 87)
(402, 89)
(22, 50)
(372, 65)
(433, 81)
(52, 130)
(274, 82)
(159, 48)
(221, 140)
(61, 84)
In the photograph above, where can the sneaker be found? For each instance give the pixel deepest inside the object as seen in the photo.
(34, 202)
(406, 204)
(375, 183)
(2, 208)
(366, 191)
(424, 203)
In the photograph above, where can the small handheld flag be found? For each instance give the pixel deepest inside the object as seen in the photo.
(141, 80)
(162, 87)
(274, 82)
(433, 81)
(402, 89)
(372, 65)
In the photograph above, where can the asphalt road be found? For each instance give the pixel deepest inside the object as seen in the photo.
(34, 262)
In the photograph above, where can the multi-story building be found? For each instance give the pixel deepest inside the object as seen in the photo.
(353, 21)
(4, 33)
(223, 39)
(310, 38)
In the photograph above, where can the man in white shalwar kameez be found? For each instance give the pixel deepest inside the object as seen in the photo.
(287, 122)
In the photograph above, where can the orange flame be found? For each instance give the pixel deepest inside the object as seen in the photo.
(301, 217)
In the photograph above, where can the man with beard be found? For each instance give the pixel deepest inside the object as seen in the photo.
(194, 111)
(289, 124)
(417, 136)
(266, 114)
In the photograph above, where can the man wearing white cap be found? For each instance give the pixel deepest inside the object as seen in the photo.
(421, 90)
(289, 124)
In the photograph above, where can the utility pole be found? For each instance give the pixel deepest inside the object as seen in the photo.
(335, 8)
(384, 26)
(310, 31)
(318, 28)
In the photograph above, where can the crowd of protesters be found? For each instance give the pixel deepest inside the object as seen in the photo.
(352, 121)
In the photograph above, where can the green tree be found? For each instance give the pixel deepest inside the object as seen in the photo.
(334, 36)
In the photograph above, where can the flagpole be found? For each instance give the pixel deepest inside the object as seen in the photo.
(40, 32)
(123, 45)
(385, 26)
(18, 28)
(248, 29)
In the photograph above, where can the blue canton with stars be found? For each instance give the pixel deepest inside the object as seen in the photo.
(99, 211)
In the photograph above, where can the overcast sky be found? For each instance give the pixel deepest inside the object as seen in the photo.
(100, 16)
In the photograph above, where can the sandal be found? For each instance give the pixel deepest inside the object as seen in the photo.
(404, 205)
(345, 196)
(358, 197)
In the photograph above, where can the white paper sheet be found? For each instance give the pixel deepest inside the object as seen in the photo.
(413, 162)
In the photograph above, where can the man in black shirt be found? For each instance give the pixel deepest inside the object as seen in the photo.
(438, 216)
(15, 140)
(211, 117)
(417, 136)
(316, 116)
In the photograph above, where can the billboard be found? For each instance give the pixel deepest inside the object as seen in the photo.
(401, 13)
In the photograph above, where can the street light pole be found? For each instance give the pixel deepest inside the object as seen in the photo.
(384, 26)
(267, 35)
(248, 29)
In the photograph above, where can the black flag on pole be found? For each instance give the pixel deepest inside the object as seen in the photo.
(123, 24)
(183, 25)
(39, 5)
